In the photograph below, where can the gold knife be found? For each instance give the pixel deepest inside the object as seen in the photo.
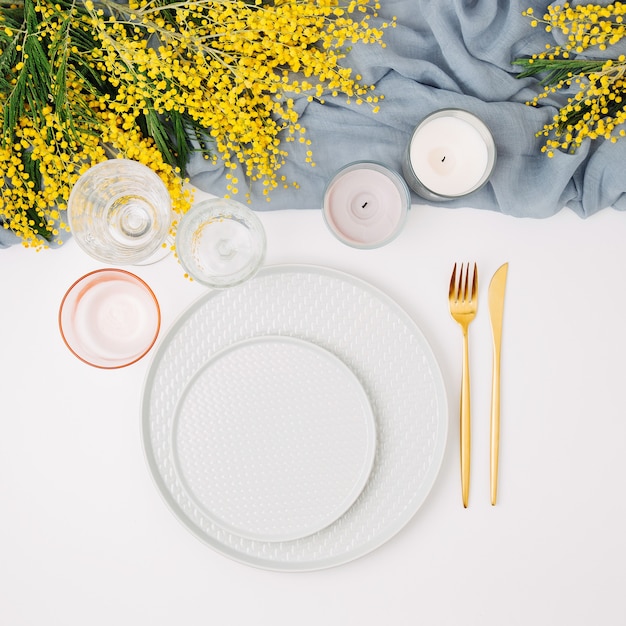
(496, 310)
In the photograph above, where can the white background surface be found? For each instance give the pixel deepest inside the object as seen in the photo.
(85, 538)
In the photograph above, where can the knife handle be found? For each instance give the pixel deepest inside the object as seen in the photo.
(465, 422)
(495, 424)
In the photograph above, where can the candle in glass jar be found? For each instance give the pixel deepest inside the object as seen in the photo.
(451, 154)
(365, 204)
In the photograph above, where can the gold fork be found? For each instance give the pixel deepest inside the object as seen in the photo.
(463, 307)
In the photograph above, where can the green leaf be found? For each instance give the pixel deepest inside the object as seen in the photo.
(556, 70)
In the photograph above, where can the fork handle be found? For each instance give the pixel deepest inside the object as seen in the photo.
(465, 421)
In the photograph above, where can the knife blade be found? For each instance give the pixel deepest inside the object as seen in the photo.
(496, 311)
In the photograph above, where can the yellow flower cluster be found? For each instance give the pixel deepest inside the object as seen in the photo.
(32, 198)
(151, 80)
(585, 25)
(598, 107)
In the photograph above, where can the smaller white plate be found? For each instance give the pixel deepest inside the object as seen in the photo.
(273, 438)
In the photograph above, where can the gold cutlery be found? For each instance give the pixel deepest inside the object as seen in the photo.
(462, 297)
(496, 310)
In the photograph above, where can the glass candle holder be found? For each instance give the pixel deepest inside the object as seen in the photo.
(450, 155)
(220, 242)
(109, 318)
(365, 204)
(119, 212)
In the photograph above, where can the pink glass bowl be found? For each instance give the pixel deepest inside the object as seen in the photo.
(109, 318)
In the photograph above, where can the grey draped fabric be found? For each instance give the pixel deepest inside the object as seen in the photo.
(449, 53)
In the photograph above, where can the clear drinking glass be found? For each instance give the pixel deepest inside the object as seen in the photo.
(120, 212)
(220, 242)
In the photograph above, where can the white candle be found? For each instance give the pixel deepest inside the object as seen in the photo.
(451, 154)
(365, 204)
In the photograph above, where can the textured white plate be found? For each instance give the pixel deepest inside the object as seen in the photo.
(274, 438)
(380, 344)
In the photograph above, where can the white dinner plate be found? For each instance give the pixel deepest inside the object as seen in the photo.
(380, 344)
(273, 438)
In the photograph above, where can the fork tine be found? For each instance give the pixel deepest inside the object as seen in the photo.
(465, 276)
(474, 284)
(452, 293)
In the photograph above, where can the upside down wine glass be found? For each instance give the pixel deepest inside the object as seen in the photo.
(120, 212)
